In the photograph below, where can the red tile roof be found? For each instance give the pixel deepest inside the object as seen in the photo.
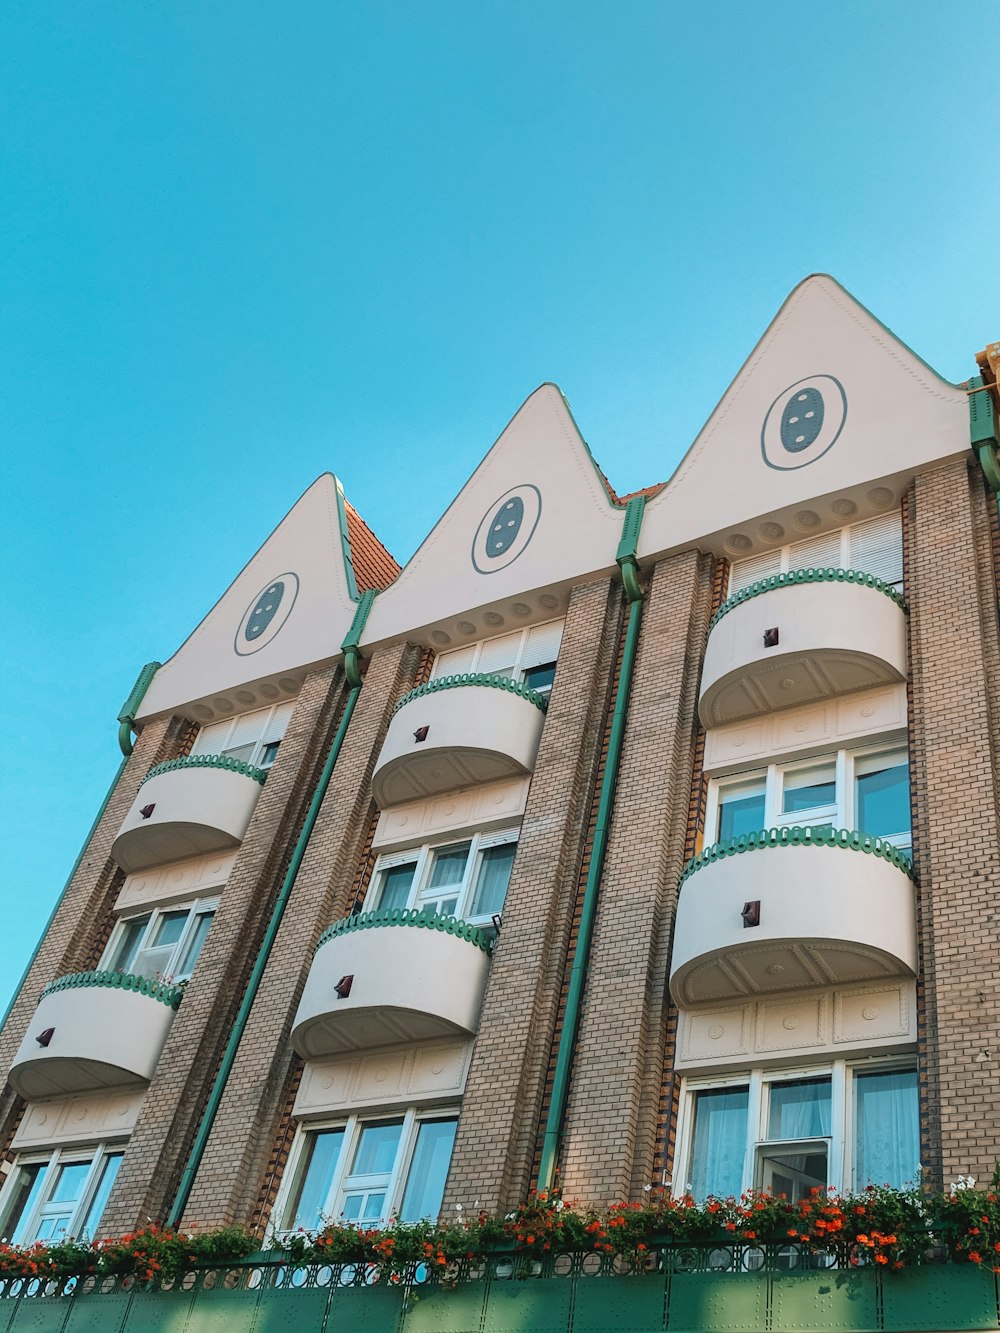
(374, 567)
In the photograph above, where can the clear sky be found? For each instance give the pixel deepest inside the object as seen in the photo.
(246, 242)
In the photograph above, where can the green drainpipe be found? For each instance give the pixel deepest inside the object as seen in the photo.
(352, 676)
(125, 719)
(629, 566)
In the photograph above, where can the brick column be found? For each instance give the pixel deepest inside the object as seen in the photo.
(954, 662)
(157, 1149)
(610, 1130)
(69, 941)
(229, 1179)
(502, 1105)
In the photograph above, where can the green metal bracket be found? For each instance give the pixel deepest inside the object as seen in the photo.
(627, 556)
(126, 717)
(984, 432)
(352, 640)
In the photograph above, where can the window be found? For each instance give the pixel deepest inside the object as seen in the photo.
(252, 738)
(789, 1132)
(467, 879)
(366, 1170)
(163, 945)
(527, 655)
(867, 790)
(58, 1194)
(874, 547)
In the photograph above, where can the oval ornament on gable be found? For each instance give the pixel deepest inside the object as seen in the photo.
(803, 422)
(266, 614)
(506, 529)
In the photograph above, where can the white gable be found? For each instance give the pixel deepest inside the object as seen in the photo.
(534, 514)
(289, 607)
(824, 424)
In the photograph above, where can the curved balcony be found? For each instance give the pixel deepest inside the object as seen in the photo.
(837, 630)
(187, 807)
(455, 732)
(94, 1030)
(402, 976)
(832, 906)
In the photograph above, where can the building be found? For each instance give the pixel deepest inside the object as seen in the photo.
(562, 728)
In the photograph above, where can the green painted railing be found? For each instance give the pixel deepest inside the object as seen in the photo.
(798, 576)
(156, 990)
(474, 678)
(796, 836)
(406, 916)
(209, 761)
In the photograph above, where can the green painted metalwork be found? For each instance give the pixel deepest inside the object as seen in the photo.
(209, 761)
(156, 990)
(126, 717)
(796, 577)
(473, 678)
(345, 542)
(984, 431)
(352, 640)
(405, 916)
(798, 836)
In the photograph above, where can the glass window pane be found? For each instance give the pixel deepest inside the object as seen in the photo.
(27, 1187)
(169, 928)
(884, 800)
(540, 677)
(886, 1128)
(741, 810)
(124, 955)
(809, 788)
(792, 1173)
(372, 1210)
(493, 878)
(376, 1150)
(108, 1173)
(268, 754)
(720, 1132)
(428, 1170)
(800, 1109)
(449, 865)
(351, 1210)
(197, 939)
(69, 1182)
(307, 1206)
(395, 885)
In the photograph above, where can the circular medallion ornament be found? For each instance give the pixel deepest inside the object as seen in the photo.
(506, 529)
(803, 422)
(266, 614)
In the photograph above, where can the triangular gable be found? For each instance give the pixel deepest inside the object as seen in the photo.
(535, 513)
(829, 403)
(288, 608)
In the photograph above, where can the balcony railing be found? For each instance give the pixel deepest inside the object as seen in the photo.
(187, 807)
(94, 1030)
(391, 976)
(455, 732)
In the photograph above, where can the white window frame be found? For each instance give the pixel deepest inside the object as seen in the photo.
(516, 669)
(848, 764)
(840, 1143)
(53, 1159)
(258, 757)
(195, 908)
(784, 554)
(395, 1181)
(423, 859)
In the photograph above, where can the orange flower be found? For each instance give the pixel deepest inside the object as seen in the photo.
(975, 1257)
(881, 1259)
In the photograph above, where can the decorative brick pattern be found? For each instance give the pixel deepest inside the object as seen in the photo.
(495, 1145)
(955, 729)
(609, 1137)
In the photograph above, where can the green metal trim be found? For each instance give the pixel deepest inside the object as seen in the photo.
(588, 908)
(156, 990)
(209, 761)
(984, 432)
(270, 934)
(345, 542)
(799, 836)
(352, 640)
(402, 916)
(473, 678)
(800, 576)
(126, 716)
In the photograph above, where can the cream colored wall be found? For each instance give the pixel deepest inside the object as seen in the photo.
(490, 805)
(197, 809)
(387, 1078)
(180, 880)
(85, 1118)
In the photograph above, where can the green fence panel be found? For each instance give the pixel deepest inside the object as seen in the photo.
(716, 1302)
(535, 1305)
(103, 1314)
(824, 1301)
(151, 1311)
(41, 1314)
(444, 1310)
(620, 1304)
(219, 1308)
(285, 1311)
(946, 1296)
(365, 1310)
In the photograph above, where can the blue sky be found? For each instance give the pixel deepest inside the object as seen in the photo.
(249, 242)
